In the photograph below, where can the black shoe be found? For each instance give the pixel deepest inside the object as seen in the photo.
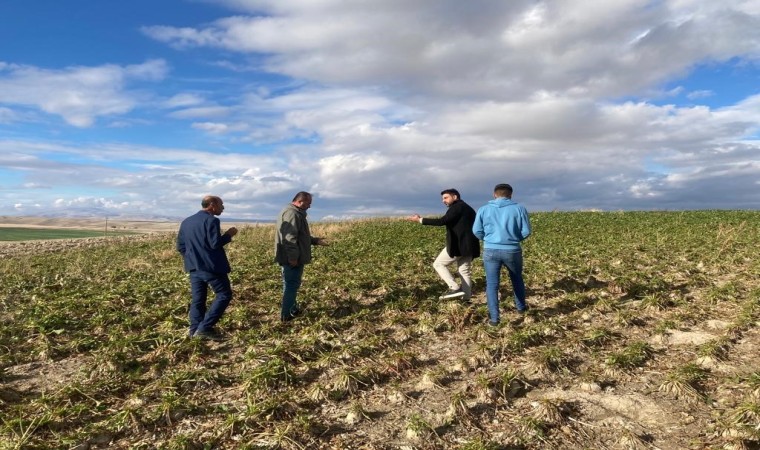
(297, 311)
(523, 311)
(493, 324)
(451, 293)
(209, 335)
(287, 318)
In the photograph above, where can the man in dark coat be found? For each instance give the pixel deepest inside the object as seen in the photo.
(461, 244)
(292, 250)
(201, 243)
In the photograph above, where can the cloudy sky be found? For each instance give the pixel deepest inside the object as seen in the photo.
(138, 108)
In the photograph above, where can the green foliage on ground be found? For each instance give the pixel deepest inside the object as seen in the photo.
(601, 286)
(31, 234)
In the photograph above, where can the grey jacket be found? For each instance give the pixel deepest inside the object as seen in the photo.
(292, 238)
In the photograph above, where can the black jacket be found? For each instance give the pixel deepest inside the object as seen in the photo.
(460, 241)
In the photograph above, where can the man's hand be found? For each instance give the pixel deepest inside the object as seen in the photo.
(231, 232)
(322, 241)
(414, 218)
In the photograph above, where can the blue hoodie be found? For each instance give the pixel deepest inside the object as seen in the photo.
(502, 224)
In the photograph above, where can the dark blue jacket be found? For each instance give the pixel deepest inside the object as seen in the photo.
(201, 243)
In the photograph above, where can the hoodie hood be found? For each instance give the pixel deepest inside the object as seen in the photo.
(501, 202)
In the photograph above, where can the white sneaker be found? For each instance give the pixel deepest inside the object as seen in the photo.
(451, 293)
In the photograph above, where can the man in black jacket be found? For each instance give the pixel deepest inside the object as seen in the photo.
(461, 244)
(201, 243)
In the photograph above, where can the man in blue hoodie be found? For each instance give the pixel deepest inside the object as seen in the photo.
(502, 224)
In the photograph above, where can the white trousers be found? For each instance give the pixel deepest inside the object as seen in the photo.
(464, 268)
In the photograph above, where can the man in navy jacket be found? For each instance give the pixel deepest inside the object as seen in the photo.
(461, 244)
(201, 243)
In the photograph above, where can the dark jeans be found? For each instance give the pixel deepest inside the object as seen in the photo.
(200, 319)
(291, 281)
(493, 261)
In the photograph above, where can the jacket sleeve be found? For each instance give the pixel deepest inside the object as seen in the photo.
(289, 232)
(214, 234)
(181, 242)
(524, 223)
(477, 226)
(451, 216)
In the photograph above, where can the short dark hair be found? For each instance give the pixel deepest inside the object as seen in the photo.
(503, 190)
(303, 195)
(451, 191)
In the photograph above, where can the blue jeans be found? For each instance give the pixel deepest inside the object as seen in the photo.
(291, 281)
(200, 319)
(493, 260)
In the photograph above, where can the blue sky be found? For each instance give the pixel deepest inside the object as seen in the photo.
(138, 109)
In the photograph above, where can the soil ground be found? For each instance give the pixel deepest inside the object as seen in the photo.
(452, 383)
(140, 226)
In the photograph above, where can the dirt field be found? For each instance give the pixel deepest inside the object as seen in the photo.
(144, 227)
(140, 226)
(653, 347)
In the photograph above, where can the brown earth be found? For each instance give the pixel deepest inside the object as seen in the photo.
(144, 228)
(606, 408)
(139, 226)
(627, 410)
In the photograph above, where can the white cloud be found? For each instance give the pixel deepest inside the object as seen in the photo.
(35, 186)
(7, 115)
(201, 112)
(484, 49)
(211, 127)
(78, 94)
(168, 177)
(377, 106)
(181, 37)
(184, 100)
(695, 95)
